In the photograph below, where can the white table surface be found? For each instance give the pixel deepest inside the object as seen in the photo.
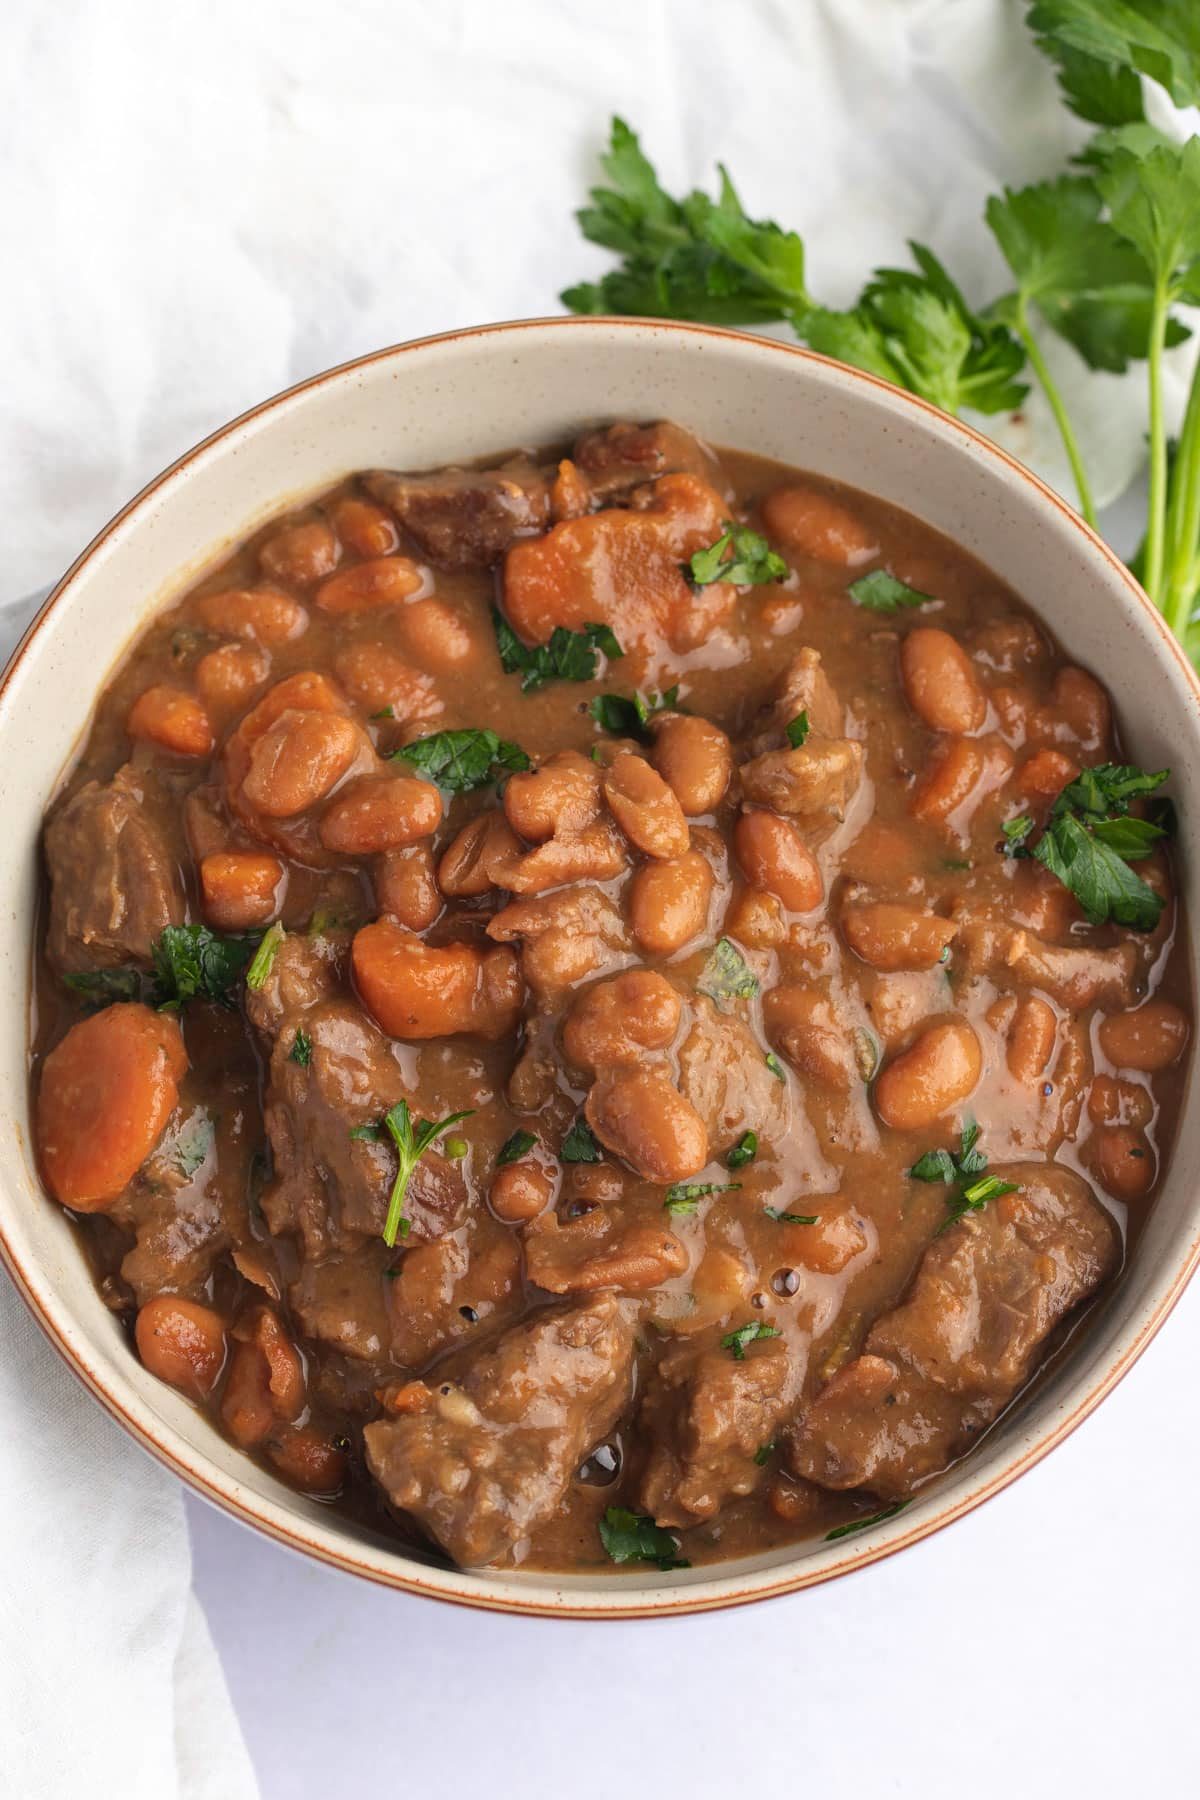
(211, 201)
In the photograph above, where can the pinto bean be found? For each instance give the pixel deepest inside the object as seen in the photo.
(435, 637)
(803, 1023)
(369, 586)
(264, 615)
(1149, 1038)
(181, 1342)
(963, 771)
(520, 1191)
(815, 525)
(1123, 1161)
(1031, 1037)
(228, 675)
(583, 1255)
(645, 808)
(937, 1072)
(380, 812)
(617, 1021)
(1083, 706)
(405, 887)
(695, 760)
(381, 681)
(297, 761)
(668, 903)
(480, 858)
(644, 1119)
(172, 719)
(265, 1383)
(418, 990)
(596, 854)
(940, 683)
(1046, 774)
(369, 530)
(562, 795)
(757, 920)
(307, 691)
(897, 937)
(774, 856)
(301, 554)
(308, 1458)
(241, 888)
(838, 1236)
(1113, 1102)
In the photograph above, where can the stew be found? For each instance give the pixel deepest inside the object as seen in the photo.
(608, 1008)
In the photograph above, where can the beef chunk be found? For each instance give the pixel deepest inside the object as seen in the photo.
(341, 1302)
(941, 1366)
(615, 461)
(114, 882)
(442, 1292)
(723, 1072)
(705, 1419)
(804, 687)
(303, 972)
(1076, 975)
(461, 517)
(492, 1457)
(818, 778)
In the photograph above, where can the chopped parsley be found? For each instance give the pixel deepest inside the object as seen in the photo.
(789, 1218)
(264, 957)
(960, 1171)
(301, 1050)
(515, 1147)
(776, 1067)
(192, 1143)
(459, 761)
(682, 1196)
(736, 1341)
(104, 987)
(875, 1518)
(627, 715)
(193, 963)
(727, 975)
(579, 1145)
(797, 731)
(1090, 840)
(751, 563)
(743, 1152)
(882, 593)
(764, 1453)
(867, 1053)
(631, 1537)
(569, 655)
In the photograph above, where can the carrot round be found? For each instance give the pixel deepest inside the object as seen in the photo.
(107, 1090)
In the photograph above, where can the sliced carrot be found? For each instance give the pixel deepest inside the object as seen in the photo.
(172, 719)
(418, 990)
(107, 1091)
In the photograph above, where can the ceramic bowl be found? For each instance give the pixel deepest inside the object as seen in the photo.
(467, 394)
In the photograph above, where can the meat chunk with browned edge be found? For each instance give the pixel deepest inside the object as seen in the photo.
(706, 1420)
(464, 517)
(114, 883)
(492, 1457)
(937, 1369)
(616, 460)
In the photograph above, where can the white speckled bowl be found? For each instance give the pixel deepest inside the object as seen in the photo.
(463, 395)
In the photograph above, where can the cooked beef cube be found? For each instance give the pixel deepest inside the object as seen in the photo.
(114, 882)
(442, 1292)
(820, 777)
(304, 971)
(804, 687)
(941, 1366)
(460, 517)
(1076, 975)
(493, 1456)
(723, 1072)
(616, 460)
(705, 1420)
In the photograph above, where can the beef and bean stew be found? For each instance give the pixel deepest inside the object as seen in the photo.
(608, 1008)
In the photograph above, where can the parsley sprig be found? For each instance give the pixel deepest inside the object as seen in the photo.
(459, 761)
(568, 656)
(411, 1140)
(188, 962)
(739, 555)
(631, 1537)
(1090, 840)
(627, 715)
(736, 1341)
(963, 1171)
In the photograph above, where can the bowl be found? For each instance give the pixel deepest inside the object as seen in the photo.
(470, 393)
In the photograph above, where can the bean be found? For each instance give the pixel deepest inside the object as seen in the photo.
(228, 675)
(645, 808)
(1083, 706)
(940, 683)
(644, 1119)
(520, 1191)
(1124, 1162)
(1113, 1102)
(368, 586)
(418, 990)
(301, 554)
(380, 812)
(297, 761)
(264, 615)
(173, 720)
(597, 854)
(435, 637)
(617, 1021)
(668, 903)
(1031, 1037)
(241, 888)
(810, 522)
(838, 1236)
(1149, 1038)
(897, 937)
(925, 1081)
(803, 1024)
(365, 528)
(774, 856)
(1046, 774)
(695, 760)
(106, 1092)
(380, 680)
(307, 691)
(265, 1382)
(562, 795)
(309, 1459)
(405, 888)
(181, 1342)
(950, 781)
(756, 919)
(480, 858)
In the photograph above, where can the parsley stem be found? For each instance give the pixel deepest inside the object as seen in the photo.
(1183, 517)
(1066, 430)
(1156, 520)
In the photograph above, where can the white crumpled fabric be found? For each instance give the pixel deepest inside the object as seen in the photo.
(207, 202)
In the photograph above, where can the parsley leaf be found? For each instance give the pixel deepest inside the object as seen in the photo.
(569, 655)
(628, 715)
(301, 1050)
(797, 731)
(958, 1170)
(1154, 200)
(975, 1197)
(1161, 38)
(764, 1453)
(776, 1067)
(1089, 842)
(736, 1341)
(790, 1218)
(191, 962)
(882, 593)
(191, 1143)
(752, 563)
(1015, 833)
(875, 1518)
(1104, 93)
(102, 987)
(631, 1537)
(459, 761)
(579, 1145)
(744, 1151)
(411, 1142)
(515, 1147)
(683, 1196)
(264, 956)
(727, 975)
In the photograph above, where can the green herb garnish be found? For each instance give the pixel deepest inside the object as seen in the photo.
(459, 761)
(791, 1218)
(192, 1143)
(191, 962)
(264, 957)
(882, 593)
(961, 1169)
(736, 1341)
(515, 1147)
(106, 987)
(628, 715)
(727, 975)
(743, 1152)
(764, 1453)
(569, 655)
(631, 1537)
(776, 1067)
(301, 1050)
(411, 1143)
(797, 731)
(683, 1196)
(579, 1145)
(1090, 840)
(875, 1518)
(752, 562)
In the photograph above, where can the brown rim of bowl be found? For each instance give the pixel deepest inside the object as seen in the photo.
(228, 1494)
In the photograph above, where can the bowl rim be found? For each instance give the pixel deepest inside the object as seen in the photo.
(482, 1589)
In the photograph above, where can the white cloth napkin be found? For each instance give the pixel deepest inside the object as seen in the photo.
(109, 1684)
